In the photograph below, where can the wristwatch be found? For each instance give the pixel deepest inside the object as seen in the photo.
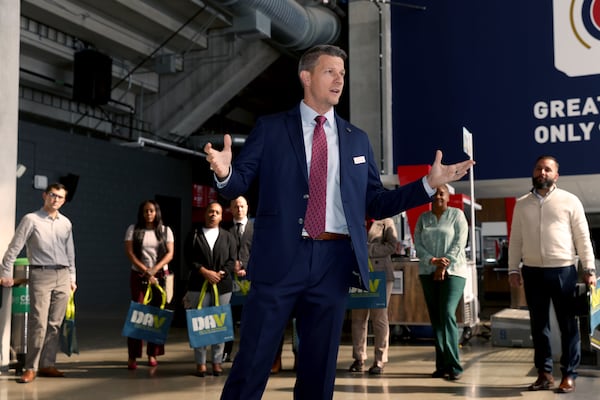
(590, 271)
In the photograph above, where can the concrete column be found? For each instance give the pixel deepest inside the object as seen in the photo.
(370, 81)
(10, 11)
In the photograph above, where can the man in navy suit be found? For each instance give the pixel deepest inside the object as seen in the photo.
(293, 273)
(242, 230)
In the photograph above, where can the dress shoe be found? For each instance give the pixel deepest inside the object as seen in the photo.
(452, 376)
(201, 370)
(567, 385)
(152, 361)
(375, 370)
(544, 381)
(276, 367)
(27, 376)
(131, 364)
(217, 370)
(357, 366)
(50, 372)
(439, 373)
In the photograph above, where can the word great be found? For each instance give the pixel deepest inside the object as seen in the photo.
(568, 113)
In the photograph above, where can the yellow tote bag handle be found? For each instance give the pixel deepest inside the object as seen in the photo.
(70, 313)
(203, 293)
(370, 266)
(148, 295)
(244, 289)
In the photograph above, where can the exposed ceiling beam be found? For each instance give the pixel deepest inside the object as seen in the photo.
(185, 38)
(105, 33)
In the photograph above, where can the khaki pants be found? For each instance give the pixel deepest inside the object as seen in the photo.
(381, 330)
(49, 291)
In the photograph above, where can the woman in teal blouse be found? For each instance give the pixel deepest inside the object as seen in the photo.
(440, 240)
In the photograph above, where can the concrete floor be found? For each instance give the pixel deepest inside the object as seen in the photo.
(99, 372)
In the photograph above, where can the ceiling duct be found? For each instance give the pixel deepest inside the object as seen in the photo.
(293, 26)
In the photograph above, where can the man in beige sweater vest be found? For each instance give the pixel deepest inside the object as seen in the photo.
(549, 234)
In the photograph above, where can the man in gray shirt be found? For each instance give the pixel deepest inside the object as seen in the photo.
(48, 237)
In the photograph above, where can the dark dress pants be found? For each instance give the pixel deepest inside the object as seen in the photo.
(314, 292)
(556, 284)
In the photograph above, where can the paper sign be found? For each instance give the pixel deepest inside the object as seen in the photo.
(468, 142)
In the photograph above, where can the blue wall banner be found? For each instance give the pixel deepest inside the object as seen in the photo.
(522, 76)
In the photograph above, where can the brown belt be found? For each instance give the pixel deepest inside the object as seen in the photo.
(329, 236)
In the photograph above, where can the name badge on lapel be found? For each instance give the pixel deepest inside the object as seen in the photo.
(359, 160)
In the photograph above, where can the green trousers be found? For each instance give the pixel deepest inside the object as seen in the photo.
(442, 298)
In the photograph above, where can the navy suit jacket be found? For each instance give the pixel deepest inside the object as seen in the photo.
(274, 154)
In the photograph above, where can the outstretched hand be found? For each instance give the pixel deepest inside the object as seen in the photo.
(441, 174)
(220, 161)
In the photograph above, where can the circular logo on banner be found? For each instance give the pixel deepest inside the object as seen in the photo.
(577, 36)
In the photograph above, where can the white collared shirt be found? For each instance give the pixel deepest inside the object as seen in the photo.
(335, 220)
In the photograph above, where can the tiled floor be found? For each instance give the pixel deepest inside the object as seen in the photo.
(99, 372)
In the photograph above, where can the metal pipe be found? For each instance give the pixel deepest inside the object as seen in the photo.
(293, 26)
(166, 146)
(216, 139)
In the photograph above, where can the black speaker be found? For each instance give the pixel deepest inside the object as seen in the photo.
(70, 181)
(92, 77)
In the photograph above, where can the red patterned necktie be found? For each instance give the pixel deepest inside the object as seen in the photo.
(314, 222)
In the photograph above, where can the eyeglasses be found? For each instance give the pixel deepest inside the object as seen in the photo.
(56, 196)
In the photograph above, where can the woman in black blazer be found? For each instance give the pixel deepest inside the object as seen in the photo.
(212, 259)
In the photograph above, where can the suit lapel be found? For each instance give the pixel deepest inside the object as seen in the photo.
(294, 129)
(293, 126)
(344, 137)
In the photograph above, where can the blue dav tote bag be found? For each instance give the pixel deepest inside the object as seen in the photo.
(147, 322)
(595, 307)
(241, 287)
(375, 297)
(68, 335)
(209, 325)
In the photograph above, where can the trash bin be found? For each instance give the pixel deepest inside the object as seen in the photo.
(20, 313)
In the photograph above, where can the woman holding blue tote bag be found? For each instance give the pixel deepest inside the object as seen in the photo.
(211, 255)
(149, 247)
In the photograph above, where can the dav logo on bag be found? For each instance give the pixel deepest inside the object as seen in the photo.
(147, 320)
(148, 323)
(209, 325)
(375, 297)
(373, 287)
(209, 322)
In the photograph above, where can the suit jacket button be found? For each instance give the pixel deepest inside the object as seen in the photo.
(300, 221)
(305, 196)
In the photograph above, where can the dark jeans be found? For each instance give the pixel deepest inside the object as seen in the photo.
(543, 284)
